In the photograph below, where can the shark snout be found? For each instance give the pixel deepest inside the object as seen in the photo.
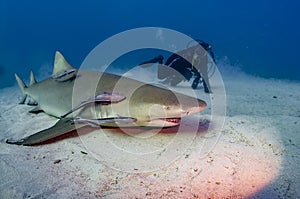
(190, 109)
(182, 109)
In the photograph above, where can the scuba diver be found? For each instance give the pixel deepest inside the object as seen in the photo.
(186, 64)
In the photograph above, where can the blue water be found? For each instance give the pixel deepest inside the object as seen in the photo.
(260, 37)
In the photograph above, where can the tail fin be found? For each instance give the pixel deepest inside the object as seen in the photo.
(22, 87)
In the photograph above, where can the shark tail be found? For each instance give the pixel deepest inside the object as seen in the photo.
(22, 87)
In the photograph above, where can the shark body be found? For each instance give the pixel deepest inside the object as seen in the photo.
(87, 98)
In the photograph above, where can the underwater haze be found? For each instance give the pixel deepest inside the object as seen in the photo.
(243, 144)
(259, 37)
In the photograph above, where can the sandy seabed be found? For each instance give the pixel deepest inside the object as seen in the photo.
(256, 154)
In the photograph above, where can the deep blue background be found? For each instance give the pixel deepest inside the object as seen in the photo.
(261, 37)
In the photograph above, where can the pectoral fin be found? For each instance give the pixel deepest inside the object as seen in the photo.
(112, 121)
(63, 126)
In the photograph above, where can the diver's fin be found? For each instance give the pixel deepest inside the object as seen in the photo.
(22, 87)
(159, 59)
(60, 64)
(36, 110)
(32, 78)
(104, 98)
(101, 121)
(63, 126)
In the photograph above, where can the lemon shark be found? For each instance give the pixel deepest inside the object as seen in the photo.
(80, 98)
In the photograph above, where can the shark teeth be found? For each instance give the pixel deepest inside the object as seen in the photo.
(173, 120)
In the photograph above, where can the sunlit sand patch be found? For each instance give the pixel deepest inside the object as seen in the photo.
(245, 160)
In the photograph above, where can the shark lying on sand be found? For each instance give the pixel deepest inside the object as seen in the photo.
(72, 96)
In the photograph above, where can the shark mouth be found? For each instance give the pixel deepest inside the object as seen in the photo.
(172, 120)
(164, 122)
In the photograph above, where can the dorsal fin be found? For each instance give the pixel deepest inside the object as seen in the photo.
(60, 64)
(32, 78)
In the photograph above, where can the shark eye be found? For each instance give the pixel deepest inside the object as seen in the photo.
(166, 107)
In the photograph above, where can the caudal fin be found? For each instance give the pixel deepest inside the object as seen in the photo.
(22, 87)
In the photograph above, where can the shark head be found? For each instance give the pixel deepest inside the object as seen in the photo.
(146, 106)
(153, 106)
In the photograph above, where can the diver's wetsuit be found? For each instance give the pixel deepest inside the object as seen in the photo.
(181, 65)
(186, 69)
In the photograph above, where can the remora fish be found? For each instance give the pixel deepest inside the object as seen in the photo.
(72, 96)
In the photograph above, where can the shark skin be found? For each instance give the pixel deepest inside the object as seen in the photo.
(81, 98)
